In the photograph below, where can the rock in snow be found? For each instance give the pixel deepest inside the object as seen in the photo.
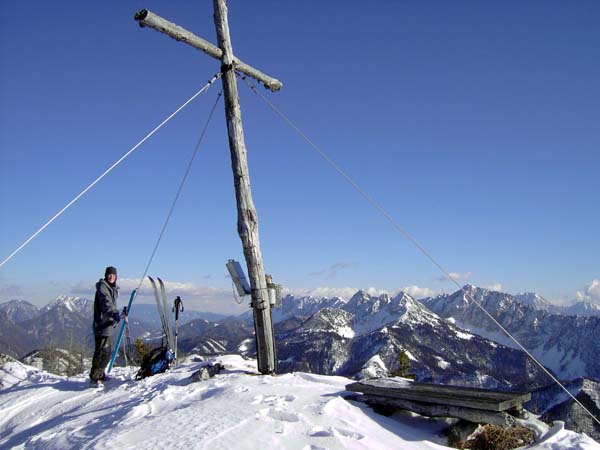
(235, 409)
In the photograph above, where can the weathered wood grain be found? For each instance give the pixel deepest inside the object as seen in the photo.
(501, 419)
(483, 399)
(247, 216)
(149, 19)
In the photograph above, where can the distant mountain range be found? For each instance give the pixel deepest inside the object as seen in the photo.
(67, 322)
(583, 308)
(537, 302)
(364, 336)
(566, 344)
(19, 310)
(14, 339)
(447, 338)
(61, 322)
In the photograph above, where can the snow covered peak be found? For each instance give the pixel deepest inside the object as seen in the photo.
(413, 310)
(71, 304)
(372, 313)
(360, 298)
(471, 292)
(584, 308)
(558, 341)
(373, 368)
(302, 306)
(534, 300)
(448, 305)
(363, 303)
(402, 298)
(62, 301)
(19, 310)
(364, 313)
(331, 320)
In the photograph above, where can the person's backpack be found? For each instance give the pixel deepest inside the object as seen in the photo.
(157, 361)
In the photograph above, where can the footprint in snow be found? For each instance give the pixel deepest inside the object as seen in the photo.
(277, 414)
(333, 431)
(212, 392)
(140, 411)
(284, 416)
(347, 433)
(273, 399)
(320, 432)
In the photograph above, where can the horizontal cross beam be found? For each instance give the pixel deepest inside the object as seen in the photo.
(148, 19)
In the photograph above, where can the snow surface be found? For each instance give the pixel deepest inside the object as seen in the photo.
(235, 409)
(373, 368)
(463, 335)
(442, 362)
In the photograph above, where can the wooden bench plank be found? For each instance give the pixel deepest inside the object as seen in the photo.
(474, 398)
(501, 419)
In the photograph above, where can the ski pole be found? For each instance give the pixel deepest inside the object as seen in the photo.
(177, 308)
(120, 337)
(126, 341)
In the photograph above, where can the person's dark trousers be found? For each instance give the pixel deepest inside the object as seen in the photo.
(101, 358)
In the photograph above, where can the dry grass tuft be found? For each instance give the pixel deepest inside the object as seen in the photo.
(492, 437)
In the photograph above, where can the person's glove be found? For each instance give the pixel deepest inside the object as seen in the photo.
(117, 317)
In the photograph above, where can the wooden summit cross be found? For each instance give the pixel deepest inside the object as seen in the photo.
(247, 217)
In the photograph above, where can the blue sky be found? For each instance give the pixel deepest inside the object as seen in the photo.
(475, 125)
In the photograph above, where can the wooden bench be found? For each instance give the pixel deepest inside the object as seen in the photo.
(475, 405)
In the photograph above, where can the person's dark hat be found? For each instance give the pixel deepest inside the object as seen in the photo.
(109, 270)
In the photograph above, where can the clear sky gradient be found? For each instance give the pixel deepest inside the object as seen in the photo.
(474, 124)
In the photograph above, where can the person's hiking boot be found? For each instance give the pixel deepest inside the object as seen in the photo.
(105, 377)
(96, 384)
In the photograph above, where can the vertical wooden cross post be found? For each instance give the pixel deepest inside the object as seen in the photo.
(247, 217)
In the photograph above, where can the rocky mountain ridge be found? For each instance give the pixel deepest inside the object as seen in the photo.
(19, 310)
(366, 331)
(552, 403)
(568, 345)
(364, 334)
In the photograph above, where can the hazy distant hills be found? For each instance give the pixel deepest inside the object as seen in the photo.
(14, 339)
(66, 321)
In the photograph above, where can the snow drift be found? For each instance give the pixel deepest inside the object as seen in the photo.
(236, 409)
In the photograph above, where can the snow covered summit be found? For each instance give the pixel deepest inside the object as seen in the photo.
(19, 310)
(72, 304)
(235, 409)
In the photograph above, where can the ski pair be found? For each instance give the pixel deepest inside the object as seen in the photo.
(124, 330)
(163, 311)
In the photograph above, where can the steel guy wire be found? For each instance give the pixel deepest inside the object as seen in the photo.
(187, 171)
(407, 236)
(107, 171)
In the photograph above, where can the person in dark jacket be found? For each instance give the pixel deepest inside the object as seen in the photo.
(106, 316)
